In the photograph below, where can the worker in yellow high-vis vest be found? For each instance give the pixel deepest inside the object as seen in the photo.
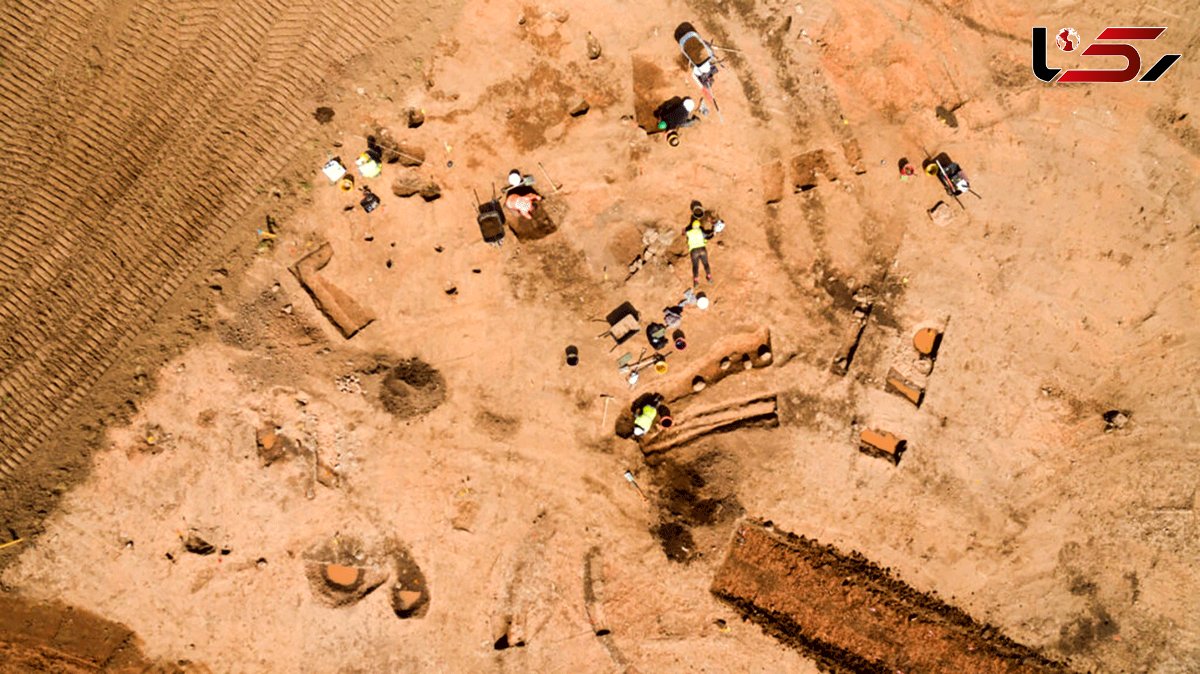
(644, 420)
(646, 410)
(697, 243)
(368, 165)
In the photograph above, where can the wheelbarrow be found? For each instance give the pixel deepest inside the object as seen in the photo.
(699, 54)
(490, 216)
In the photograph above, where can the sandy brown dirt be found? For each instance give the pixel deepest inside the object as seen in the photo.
(135, 137)
(1066, 291)
(51, 637)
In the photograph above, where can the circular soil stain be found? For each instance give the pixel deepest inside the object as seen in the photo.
(412, 388)
(342, 576)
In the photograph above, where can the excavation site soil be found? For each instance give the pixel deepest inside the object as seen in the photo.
(260, 416)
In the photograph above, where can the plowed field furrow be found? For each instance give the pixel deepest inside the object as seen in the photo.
(74, 13)
(163, 152)
(30, 73)
(19, 156)
(69, 33)
(37, 65)
(74, 156)
(9, 35)
(37, 211)
(25, 19)
(8, 261)
(22, 241)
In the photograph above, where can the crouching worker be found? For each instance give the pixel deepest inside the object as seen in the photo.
(519, 196)
(646, 410)
(522, 204)
(674, 115)
(958, 179)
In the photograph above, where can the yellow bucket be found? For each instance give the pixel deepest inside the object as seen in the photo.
(661, 367)
(346, 183)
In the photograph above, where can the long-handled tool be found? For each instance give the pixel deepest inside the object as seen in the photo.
(713, 99)
(628, 364)
(604, 417)
(946, 176)
(644, 363)
(546, 173)
(630, 369)
(630, 480)
(703, 61)
(635, 369)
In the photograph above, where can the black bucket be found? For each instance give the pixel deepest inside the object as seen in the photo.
(664, 416)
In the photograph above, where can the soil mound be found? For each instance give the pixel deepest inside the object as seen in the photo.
(411, 388)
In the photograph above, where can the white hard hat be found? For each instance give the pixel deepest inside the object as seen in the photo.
(514, 177)
(963, 186)
(689, 104)
(705, 67)
(638, 431)
(702, 302)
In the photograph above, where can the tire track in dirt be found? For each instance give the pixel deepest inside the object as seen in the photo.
(133, 138)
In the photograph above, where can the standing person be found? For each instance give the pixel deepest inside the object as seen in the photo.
(697, 242)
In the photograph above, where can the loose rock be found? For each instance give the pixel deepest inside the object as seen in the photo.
(323, 115)
(408, 183)
(326, 475)
(464, 516)
(197, 545)
(941, 214)
(1115, 420)
(593, 47)
(387, 147)
(431, 191)
(271, 445)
